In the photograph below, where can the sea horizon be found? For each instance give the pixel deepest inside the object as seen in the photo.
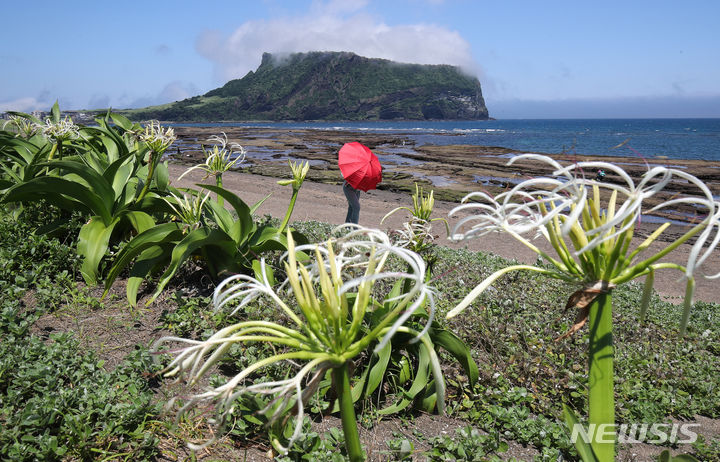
(681, 138)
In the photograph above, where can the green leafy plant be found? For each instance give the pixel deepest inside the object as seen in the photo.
(401, 449)
(404, 365)
(57, 402)
(299, 172)
(467, 444)
(311, 446)
(205, 229)
(158, 140)
(416, 234)
(22, 157)
(707, 450)
(569, 217)
(331, 298)
(22, 125)
(104, 177)
(58, 130)
(221, 158)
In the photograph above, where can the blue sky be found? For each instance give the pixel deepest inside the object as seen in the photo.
(534, 59)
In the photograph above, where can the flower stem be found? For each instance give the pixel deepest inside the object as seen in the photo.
(341, 378)
(687, 304)
(151, 173)
(289, 210)
(219, 183)
(647, 294)
(601, 397)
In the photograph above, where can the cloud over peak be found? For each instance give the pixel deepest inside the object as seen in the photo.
(333, 26)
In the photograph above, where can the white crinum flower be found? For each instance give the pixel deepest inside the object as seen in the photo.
(588, 223)
(416, 234)
(222, 157)
(189, 209)
(24, 127)
(326, 323)
(64, 129)
(156, 137)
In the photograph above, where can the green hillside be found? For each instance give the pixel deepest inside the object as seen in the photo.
(333, 86)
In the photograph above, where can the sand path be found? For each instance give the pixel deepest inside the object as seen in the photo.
(326, 203)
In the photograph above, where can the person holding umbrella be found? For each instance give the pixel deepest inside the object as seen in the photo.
(362, 171)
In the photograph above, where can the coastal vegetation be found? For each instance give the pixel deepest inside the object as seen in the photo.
(321, 321)
(332, 86)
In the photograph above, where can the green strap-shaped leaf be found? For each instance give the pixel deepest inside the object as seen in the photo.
(429, 400)
(123, 187)
(376, 368)
(118, 172)
(257, 204)
(92, 244)
(244, 220)
(457, 348)
(357, 390)
(267, 238)
(128, 196)
(184, 249)
(94, 180)
(262, 271)
(377, 372)
(55, 112)
(25, 115)
(22, 150)
(95, 160)
(666, 457)
(121, 121)
(139, 220)
(111, 148)
(51, 189)
(152, 203)
(160, 234)
(33, 168)
(422, 379)
(225, 220)
(152, 259)
(162, 176)
(118, 140)
(583, 447)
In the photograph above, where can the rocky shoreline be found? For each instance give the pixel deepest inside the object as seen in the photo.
(463, 168)
(451, 170)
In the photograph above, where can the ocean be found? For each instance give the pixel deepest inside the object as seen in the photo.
(650, 138)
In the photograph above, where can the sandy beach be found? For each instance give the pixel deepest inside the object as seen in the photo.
(325, 202)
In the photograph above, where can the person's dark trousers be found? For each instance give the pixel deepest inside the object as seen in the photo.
(353, 198)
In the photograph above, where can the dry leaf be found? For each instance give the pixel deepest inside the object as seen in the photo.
(581, 299)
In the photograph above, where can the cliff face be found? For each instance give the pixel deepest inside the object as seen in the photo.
(334, 86)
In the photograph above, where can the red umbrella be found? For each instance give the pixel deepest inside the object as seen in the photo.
(359, 166)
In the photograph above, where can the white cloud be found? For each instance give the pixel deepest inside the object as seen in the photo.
(99, 101)
(173, 91)
(333, 26)
(27, 104)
